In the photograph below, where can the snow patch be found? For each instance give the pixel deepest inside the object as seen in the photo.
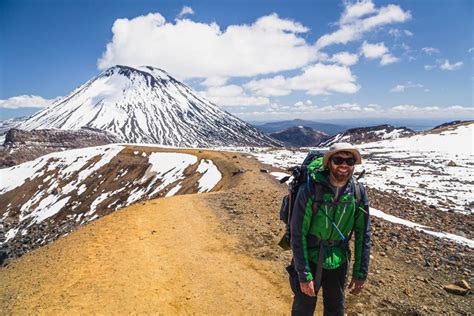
(422, 228)
(210, 175)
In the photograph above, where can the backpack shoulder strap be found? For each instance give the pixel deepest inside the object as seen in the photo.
(316, 193)
(357, 191)
(358, 200)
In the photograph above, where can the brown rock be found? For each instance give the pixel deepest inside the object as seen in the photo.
(455, 289)
(452, 164)
(463, 284)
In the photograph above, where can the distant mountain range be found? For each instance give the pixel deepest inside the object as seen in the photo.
(330, 129)
(146, 105)
(302, 136)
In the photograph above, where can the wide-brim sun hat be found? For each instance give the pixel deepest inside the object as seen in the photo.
(338, 147)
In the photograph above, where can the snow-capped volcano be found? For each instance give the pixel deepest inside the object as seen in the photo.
(146, 105)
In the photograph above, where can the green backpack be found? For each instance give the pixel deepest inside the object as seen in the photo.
(300, 175)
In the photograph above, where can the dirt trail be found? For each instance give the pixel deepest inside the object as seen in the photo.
(167, 256)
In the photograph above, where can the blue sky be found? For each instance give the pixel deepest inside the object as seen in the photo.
(261, 60)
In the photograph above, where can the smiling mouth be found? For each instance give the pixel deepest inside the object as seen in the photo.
(343, 171)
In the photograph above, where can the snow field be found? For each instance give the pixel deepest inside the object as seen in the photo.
(435, 169)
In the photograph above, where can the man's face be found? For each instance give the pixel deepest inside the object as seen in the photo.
(342, 171)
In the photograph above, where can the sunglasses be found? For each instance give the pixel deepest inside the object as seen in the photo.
(339, 161)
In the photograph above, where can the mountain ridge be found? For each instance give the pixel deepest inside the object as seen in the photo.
(300, 136)
(369, 134)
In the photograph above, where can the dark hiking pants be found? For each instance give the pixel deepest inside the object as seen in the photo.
(332, 284)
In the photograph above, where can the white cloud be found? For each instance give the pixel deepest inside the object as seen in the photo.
(214, 81)
(429, 67)
(399, 33)
(431, 108)
(379, 50)
(398, 88)
(405, 108)
(316, 79)
(435, 110)
(430, 50)
(470, 50)
(448, 66)
(276, 86)
(232, 95)
(372, 108)
(460, 108)
(301, 106)
(388, 59)
(355, 110)
(25, 101)
(185, 11)
(359, 18)
(189, 49)
(395, 32)
(324, 79)
(345, 58)
(356, 11)
(403, 87)
(409, 108)
(373, 51)
(348, 107)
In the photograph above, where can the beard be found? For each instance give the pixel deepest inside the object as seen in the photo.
(340, 173)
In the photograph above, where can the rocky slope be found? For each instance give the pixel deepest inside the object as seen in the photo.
(408, 270)
(51, 196)
(450, 124)
(368, 134)
(300, 136)
(147, 105)
(21, 146)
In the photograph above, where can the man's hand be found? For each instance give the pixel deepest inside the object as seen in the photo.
(307, 288)
(356, 286)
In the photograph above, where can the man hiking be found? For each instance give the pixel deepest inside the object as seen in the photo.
(328, 209)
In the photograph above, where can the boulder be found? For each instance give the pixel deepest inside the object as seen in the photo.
(460, 287)
(452, 164)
